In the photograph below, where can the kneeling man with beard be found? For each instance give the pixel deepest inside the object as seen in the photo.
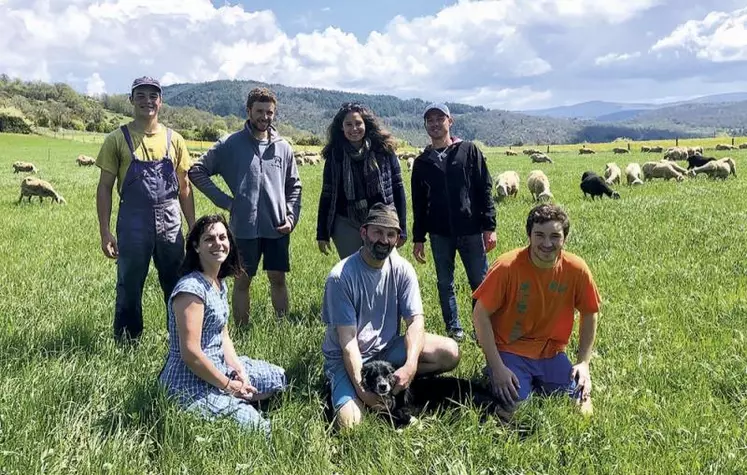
(365, 297)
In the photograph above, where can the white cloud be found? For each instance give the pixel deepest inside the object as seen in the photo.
(612, 58)
(719, 37)
(500, 53)
(95, 85)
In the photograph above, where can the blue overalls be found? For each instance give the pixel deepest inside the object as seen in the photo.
(149, 223)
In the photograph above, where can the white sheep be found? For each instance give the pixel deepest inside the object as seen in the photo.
(633, 174)
(676, 166)
(676, 153)
(612, 173)
(31, 186)
(511, 153)
(540, 158)
(507, 184)
(85, 161)
(410, 163)
(662, 169)
(539, 185)
(24, 167)
(716, 169)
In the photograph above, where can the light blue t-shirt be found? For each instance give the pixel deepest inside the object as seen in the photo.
(373, 300)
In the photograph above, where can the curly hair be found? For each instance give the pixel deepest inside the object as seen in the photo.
(260, 94)
(381, 139)
(231, 267)
(544, 213)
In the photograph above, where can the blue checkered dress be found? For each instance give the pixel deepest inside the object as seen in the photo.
(193, 392)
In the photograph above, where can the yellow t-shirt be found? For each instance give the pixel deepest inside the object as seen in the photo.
(115, 158)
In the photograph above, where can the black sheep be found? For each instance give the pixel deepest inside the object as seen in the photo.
(592, 184)
(698, 161)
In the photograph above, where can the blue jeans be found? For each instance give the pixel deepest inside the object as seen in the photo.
(472, 252)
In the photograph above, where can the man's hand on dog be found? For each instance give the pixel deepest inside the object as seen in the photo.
(505, 385)
(404, 377)
(371, 399)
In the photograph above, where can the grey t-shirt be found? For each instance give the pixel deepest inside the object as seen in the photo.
(373, 300)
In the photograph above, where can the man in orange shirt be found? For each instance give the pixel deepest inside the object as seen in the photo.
(524, 314)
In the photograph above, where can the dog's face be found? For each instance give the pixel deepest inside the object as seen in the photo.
(378, 377)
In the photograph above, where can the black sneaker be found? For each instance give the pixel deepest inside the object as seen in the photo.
(456, 334)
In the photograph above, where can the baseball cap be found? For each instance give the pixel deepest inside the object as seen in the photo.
(383, 215)
(145, 81)
(438, 106)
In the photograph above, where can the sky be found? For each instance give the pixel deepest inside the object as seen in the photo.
(501, 54)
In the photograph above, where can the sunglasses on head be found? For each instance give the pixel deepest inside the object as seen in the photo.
(354, 106)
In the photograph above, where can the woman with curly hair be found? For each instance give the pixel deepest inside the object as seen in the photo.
(360, 169)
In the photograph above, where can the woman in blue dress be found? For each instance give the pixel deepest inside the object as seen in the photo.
(202, 370)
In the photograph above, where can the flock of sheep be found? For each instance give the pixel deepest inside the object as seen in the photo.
(507, 183)
(32, 186)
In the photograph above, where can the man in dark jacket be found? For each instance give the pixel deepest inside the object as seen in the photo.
(452, 202)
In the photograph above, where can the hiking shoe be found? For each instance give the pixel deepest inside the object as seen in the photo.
(456, 334)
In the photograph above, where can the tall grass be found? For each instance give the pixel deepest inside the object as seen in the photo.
(669, 371)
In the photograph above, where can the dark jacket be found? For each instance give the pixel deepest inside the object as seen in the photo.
(391, 181)
(452, 197)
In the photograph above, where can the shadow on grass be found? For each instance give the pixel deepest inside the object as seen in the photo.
(141, 410)
(67, 340)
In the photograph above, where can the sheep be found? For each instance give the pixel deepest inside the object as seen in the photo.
(679, 168)
(300, 161)
(743, 145)
(716, 169)
(530, 151)
(694, 151)
(540, 158)
(645, 149)
(676, 153)
(656, 149)
(723, 146)
(410, 163)
(406, 155)
(612, 173)
(539, 185)
(312, 159)
(698, 161)
(24, 167)
(662, 169)
(511, 153)
(85, 161)
(31, 186)
(507, 184)
(633, 174)
(592, 184)
(585, 151)
(620, 150)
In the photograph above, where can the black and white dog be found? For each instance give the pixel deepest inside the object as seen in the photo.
(426, 393)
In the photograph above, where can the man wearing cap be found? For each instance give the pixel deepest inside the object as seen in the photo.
(365, 297)
(149, 163)
(452, 202)
(258, 166)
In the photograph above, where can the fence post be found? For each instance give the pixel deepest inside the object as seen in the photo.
(732, 141)
(628, 146)
(548, 148)
(676, 141)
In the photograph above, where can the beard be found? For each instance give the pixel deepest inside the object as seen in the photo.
(379, 251)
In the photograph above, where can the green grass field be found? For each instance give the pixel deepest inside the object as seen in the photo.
(669, 371)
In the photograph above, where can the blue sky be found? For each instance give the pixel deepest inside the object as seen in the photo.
(502, 54)
(298, 16)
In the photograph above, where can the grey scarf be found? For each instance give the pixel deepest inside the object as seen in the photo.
(357, 196)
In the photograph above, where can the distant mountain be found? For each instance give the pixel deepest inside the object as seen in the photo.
(589, 110)
(620, 111)
(310, 111)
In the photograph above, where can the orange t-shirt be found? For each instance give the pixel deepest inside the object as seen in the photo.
(533, 314)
